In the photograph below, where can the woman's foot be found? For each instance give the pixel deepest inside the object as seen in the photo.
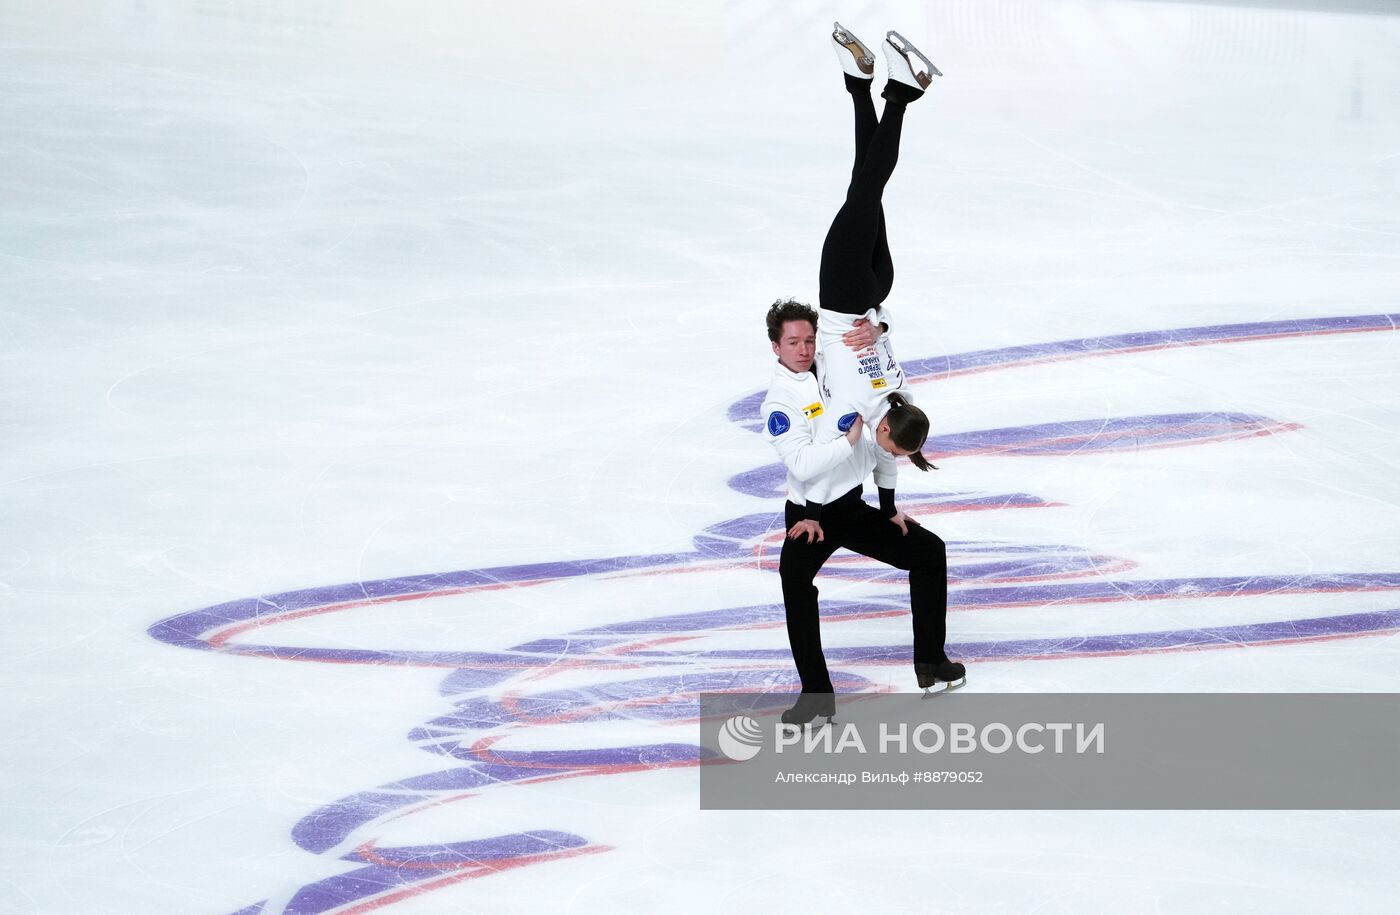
(910, 71)
(856, 59)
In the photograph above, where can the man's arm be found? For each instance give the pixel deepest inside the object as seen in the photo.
(791, 434)
(818, 490)
(793, 437)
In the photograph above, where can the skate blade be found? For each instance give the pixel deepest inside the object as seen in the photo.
(813, 725)
(907, 50)
(842, 36)
(946, 686)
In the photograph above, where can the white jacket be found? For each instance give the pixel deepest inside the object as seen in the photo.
(810, 439)
(861, 380)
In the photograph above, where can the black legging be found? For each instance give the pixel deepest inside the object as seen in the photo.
(856, 269)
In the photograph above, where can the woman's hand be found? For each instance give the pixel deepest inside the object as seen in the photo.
(902, 521)
(809, 528)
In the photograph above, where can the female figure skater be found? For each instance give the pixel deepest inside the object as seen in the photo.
(857, 271)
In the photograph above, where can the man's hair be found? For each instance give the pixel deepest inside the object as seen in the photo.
(785, 310)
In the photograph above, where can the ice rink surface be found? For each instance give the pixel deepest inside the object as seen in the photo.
(379, 481)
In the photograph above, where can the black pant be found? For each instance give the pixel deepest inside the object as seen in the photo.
(856, 269)
(849, 522)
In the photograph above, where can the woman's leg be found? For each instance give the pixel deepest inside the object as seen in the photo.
(880, 261)
(866, 121)
(856, 269)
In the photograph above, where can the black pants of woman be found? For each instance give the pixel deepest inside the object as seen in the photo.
(856, 269)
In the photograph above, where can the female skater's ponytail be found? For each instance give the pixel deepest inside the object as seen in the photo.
(908, 429)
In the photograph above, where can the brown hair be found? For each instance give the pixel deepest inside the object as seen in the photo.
(908, 429)
(784, 310)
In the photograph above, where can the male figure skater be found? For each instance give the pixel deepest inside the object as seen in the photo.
(830, 453)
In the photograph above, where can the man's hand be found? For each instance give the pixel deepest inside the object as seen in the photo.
(853, 433)
(865, 334)
(809, 528)
(902, 521)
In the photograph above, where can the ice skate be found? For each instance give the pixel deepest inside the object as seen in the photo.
(907, 64)
(944, 677)
(809, 706)
(855, 57)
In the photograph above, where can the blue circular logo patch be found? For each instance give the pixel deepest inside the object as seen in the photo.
(845, 422)
(778, 423)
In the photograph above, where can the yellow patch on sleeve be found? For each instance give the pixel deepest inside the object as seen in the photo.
(812, 411)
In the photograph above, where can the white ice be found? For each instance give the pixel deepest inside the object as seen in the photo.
(294, 295)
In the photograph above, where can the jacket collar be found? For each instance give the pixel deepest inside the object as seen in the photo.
(785, 372)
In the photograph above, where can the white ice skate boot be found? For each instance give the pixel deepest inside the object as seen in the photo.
(906, 64)
(855, 57)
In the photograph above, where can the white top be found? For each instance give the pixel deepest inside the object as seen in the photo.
(861, 380)
(810, 439)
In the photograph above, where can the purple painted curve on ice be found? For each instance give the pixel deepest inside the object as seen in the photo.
(736, 537)
(548, 651)
(1087, 646)
(1129, 433)
(189, 630)
(725, 540)
(651, 699)
(485, 713)
(769, 481)
(331, 825)
(731, 617)
(328, 826)
(971, 573)
(1213, 636)
(659, 699)
(192, 629)
(453, 855)
(1164, 588)
(1012, 595)
(480, 676)
(738, 534)
(333, 892)
(553, 762)
(744, 411)
(416, 658)
(372, 806)
(481, 773)
(1132, 433)
(1156, 339)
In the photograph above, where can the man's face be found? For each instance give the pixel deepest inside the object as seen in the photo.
(796, 346)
